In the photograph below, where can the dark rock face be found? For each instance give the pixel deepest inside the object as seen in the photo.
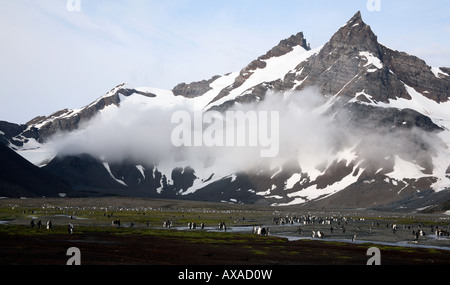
(193, 89)
(9, 131)
(20, 178)
(369, 117)
(88, 174)
(69, 120)
(183, 178)
(15, 135)
(130, 91)
(352, 62)
(286, 46)
(417, 74)
(339, 62)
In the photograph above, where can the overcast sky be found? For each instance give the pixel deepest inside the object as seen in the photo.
(52, 57)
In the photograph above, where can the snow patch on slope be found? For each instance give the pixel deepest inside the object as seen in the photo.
(438, 72)
(292, 181)
(371, 59)
(141, 170)
(106, 165)
(439, 113)
(405, 169)
(312, 192)
(276, 68)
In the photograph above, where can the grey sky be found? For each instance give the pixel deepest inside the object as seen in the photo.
(53, 58)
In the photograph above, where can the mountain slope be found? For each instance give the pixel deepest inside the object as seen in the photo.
(361, 125)
(20, 178)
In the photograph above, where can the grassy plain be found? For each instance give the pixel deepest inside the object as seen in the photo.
(142, 239)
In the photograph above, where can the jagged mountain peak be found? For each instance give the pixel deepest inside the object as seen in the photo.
(357, 18)
(286, 46)
(355, 35)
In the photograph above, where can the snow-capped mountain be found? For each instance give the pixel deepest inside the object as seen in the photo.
(360, 125)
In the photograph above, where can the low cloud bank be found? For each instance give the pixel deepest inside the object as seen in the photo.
(305, 131)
